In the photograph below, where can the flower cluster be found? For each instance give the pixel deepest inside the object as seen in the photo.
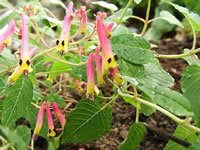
(25, 55)
(62, 43)
(105, 65)
(58, 114)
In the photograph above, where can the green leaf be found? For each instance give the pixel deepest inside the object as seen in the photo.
(195, 145)
(120, 30)
(24, 133)
(133, 49)
(107, 5)
(165, 15)
(54, 97)
(117, 15)
(18, 97)
(34, 43)
(129, 69)
(58, 68)
(58, 2)
(147, 110)
(130, 79)
(184, 134)
(171, 100)
(7, 59)
(135, 136)
(190, 86)
(155, 75)
(193, 18)
(13, 138)
(137, 1)
(87, 122)
(78, 72)
(190, 60)
(3, 82)
(129, 100)
(31, 113)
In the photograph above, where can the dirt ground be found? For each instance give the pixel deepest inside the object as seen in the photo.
(124, 114)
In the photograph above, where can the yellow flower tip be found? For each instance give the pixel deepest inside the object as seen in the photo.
(90, 96)
(7, 41)
(111, 62)
(37, 131)
(49, 79)
(62, 46)
(57, 115)
(51, 133)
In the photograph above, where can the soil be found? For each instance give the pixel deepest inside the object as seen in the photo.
(124, 114)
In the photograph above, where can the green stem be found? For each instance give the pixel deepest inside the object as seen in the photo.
(167, 113)
(110, 102)
(37, 32)
(138, 18)
(124, 12)
(32, 141)
(190, 53)
(66, 62)
(42, 53)
(137, 103)
(147, 18)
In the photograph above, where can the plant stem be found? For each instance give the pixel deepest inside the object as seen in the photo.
(138, 18)
(147, 18)
(66, 62)
(32, 141)
(124, 12)
(137, 103)
(42, 53)
(182, 122)
(190, 53)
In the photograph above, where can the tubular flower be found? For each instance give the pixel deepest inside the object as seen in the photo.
(25, 56)
(90, 77)
(62, 43)
(82, 15)
(6, 37)
(108, 60)
(51, 131)
(59, 114)
(39, 123)
(98, 62)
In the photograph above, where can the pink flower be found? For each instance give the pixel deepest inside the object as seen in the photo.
(82, 50)
(62, 43)
(109, 62)
(25, 56)
(90, 77)
(6, 37)
(82, 15)
(39, 123)
(107, 54)
(59, 114)
(98, 62)
(51, 131)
